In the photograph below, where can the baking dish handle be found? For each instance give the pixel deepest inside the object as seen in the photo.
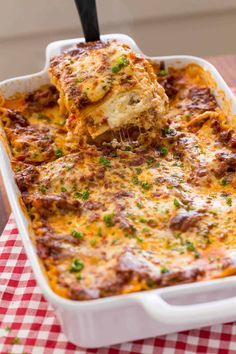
(167, 313)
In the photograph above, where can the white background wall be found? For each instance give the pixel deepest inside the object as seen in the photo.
(198, 27)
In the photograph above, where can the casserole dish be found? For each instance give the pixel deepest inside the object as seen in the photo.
(133, 316)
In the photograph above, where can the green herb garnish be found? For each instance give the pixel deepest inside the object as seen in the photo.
(93, 242)
(229, 201)
(58, 152)
(176, 203)
(139, 239)
(63, 189)
(77, 234)
(41, 116)
(121, 63)
(162, 73)
(84, 195)
(105, 162)
(99, 233)
(149, 162)
(76, 265)
(164, 269)
(224, 181)
(146, 186)
(42, 189)
(108, 219)
(135, 180)
(79, 277)
(168, 131)
(190, 247)
(143, 220)
(138, 170)
(163, 150)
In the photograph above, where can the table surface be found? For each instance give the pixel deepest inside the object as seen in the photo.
(225, 64)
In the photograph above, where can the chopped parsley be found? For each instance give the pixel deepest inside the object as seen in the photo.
(176, 203)
(41, 116)
(105, 162)
(229, 201)
(187, 115)
(93, 242)
(84, 195)
(121, 63)
(168, 131)
(138, 170)
(63, 189)
(190, 247)
(163, 150)
(164, 269)
(146, 186)
(58, 152)
(108, 219)
(76, 265)
(79, 276)
(149, 162)
(99, 233)
(135, 180)
(224, 181)
(139, 205)
(162, 73)
(139, 239)
(129, 235)
(78, 80)
(77, 234)
(143, 220)
(42, 189)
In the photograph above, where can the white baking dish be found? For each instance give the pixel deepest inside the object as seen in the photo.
(123, 318)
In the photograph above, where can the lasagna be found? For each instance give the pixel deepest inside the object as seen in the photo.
(110, 221)
(105, 87)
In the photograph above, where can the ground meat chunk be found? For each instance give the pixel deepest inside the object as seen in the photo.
(48, 204)
(42, 98)
(226, 162)
(92, 205)
(124, 194)
(184, 220)
(54, 245)
(201, 99)
(17, 119)
(169, 84)
(225, 135)
(26, 177)
(34, 144)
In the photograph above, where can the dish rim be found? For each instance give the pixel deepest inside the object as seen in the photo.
(14, 194)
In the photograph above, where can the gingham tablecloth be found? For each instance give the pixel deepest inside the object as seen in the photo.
(28, 324)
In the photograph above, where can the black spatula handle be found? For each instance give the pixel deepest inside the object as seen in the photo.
(88, 16)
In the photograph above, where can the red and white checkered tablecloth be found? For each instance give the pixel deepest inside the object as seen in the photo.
(28, 324)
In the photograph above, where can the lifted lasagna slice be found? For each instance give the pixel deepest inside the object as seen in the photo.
(104, 87)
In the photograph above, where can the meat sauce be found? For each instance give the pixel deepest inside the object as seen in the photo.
(109, 221)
